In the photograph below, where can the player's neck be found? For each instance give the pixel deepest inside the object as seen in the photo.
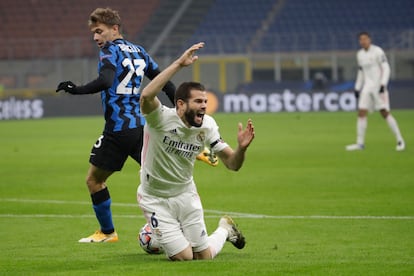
(180, 114)
(118, 37)
(184, 121)
(367, 48)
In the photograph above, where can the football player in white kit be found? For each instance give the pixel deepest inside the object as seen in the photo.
(173, 137)
(371, 89)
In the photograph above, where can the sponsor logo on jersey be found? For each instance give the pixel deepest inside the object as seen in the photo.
(183, 149)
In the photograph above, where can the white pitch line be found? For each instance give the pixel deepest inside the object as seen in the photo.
(69, 216)
(214, 213)
(49, 201)
(60, 216)
(218, 216)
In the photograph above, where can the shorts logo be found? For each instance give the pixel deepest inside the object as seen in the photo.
(201, 137)
(157, 232)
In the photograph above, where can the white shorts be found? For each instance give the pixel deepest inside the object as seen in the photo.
(177, 221)
(373, 100)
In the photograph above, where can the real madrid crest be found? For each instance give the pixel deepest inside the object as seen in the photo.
(201, 137)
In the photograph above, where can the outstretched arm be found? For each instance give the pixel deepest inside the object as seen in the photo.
(104, 81)
(169, 87)
(233, 159)
(148, 99)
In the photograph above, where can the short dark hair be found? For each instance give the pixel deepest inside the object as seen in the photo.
(364, 33)
(183, 92)
(105, 16)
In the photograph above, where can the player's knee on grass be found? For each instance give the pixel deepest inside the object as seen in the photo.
(188, 254)
(185, 255)
(203, 255)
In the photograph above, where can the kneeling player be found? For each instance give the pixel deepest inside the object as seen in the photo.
(172, 140)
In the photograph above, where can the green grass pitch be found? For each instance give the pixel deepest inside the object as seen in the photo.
(305, 205)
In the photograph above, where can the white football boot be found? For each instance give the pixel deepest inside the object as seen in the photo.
(400, 146)
(235, 236)
(354, 147)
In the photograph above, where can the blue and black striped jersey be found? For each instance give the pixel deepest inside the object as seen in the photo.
(121, 101)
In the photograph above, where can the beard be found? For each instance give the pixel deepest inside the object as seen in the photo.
(190, 116)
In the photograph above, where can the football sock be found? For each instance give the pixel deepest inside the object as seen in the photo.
(102, 206)
(216, 241)
(362, 123)
(392, 123)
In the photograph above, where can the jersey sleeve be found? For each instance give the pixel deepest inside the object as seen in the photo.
(385, 67)
(214, 140)
(360, 76)
(108, 56)
(359, 80)
(155, 118)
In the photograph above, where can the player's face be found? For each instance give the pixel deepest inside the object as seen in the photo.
(195, 108)
(364, 41)
(103, 33)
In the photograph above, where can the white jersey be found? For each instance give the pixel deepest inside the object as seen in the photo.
(170, 149)
(374, 69)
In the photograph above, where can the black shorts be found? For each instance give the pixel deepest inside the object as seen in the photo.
(113, 148)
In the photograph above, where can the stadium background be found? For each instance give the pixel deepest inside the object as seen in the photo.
(305, 205)
(267, 55)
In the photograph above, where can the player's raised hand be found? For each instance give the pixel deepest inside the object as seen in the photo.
(188, 56)
(246, 136)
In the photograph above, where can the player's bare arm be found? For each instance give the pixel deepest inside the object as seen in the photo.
(169, 87)
(233, 159)
(149, 100)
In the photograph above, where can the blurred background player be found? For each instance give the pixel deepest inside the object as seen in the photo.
(371, 90)
(172, 140)
(122, 66)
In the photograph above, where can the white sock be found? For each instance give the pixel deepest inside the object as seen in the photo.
(362, 124)
(392, 123)
(216, 241)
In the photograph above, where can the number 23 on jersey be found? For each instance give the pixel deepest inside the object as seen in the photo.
(131, 83)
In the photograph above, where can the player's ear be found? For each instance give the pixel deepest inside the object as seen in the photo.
(115, 28)
(180, 103)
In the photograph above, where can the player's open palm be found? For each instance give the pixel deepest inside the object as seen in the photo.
(246, 136)
(188, 57)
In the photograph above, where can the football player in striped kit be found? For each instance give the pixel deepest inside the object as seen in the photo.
(122, 67)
